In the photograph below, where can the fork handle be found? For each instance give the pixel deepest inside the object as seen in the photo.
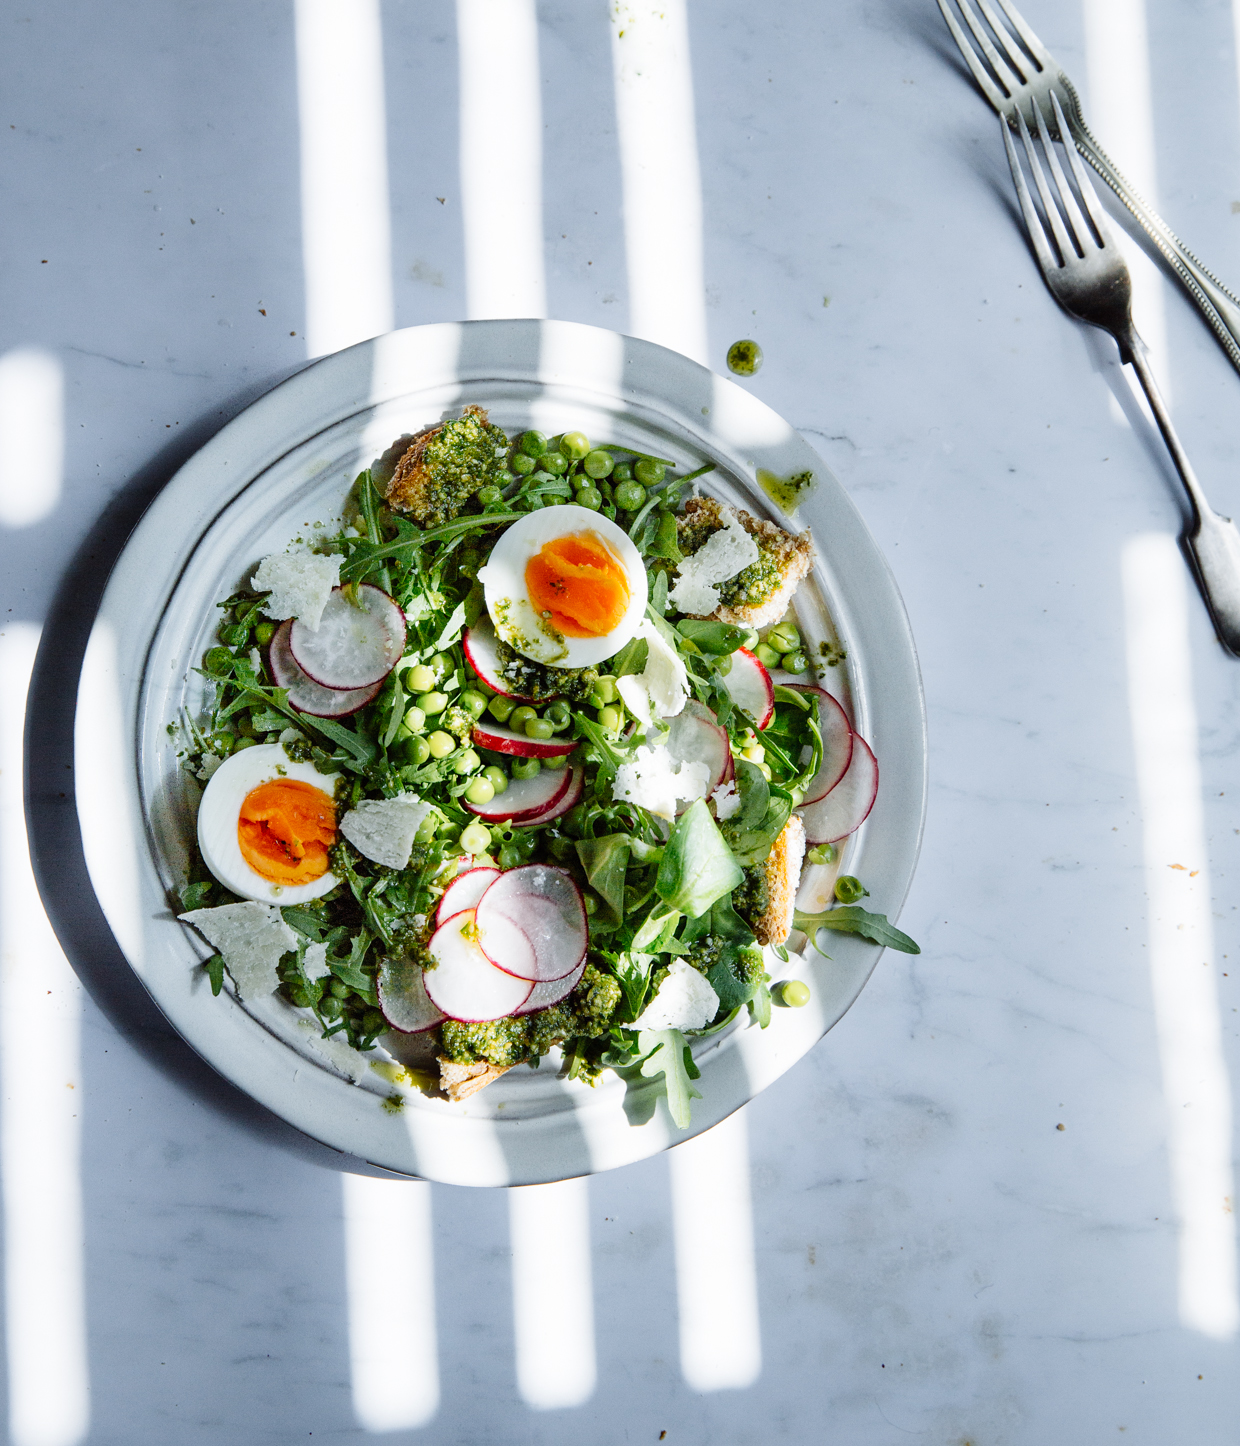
(1214, 540)
(1216, 303)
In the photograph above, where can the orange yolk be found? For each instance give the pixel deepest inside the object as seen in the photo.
(580, 582)
(284, 829)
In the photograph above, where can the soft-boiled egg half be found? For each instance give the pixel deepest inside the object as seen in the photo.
(565, 587)
(265, 824)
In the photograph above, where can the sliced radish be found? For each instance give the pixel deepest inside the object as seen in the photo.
(532, 923)
(481, 654)
(403, 998)
(463, 982)
(524, 797)
(356, 645)
(837, 743)
(695, 737)
(464, 892)
(504, 740)
(749, 686)
(846, 807)
(574, 795)
(544, 995)
(304, 693)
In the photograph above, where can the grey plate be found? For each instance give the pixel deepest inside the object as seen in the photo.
(285, 464)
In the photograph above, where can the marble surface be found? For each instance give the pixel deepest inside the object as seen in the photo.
(993, 1206)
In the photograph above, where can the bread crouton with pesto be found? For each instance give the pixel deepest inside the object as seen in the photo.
(445, 466)
(760, 592)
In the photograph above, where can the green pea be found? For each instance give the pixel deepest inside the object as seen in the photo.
(442, 666)
(428, 826)
(299, 997)
(480, 790)
(474, 703)
(416, 750)
(340, 989)
(526, 767)
(604, 691)
(598, 464)
(766, 655)
(420, 678)
(441, 744)
(235, 635)
(476, 838)
(556, 763)
(539, 728)
(496, 777)
(554, 462)
(510, 856)
(785, 637)
(217, 660)
(796, 663)
(244, 743)
(754, 752)
(821, 854)
(590, 497)
(622, 472)
(610, 718)
(532, 444)
(432, 703)
(630, 496)
(558, 714)
(580, 481)
(750, 641)
(519, 717)
(848, 889)
(489, 496)
(522, 465)
(500, 708)
(794, 993)
(413, 722)
(648, 471)
(373, 1022)
(575, 445)
(466, 761)
(330, 1007)
(264, 633)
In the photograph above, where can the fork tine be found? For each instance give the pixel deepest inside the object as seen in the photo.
(1016, 57)
(1086, 186)
(990, 90)
(1066, 249)
(1009, 76)
(1080, 232)
(1033, 44)
(1033, 224)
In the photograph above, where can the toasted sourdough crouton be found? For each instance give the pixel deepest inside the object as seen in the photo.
(459, 1081)
(445, 465)
(759, 595)
(782, 875)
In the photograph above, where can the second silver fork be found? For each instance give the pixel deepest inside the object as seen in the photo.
(1088, 276)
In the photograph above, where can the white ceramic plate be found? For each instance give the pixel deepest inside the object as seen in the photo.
(285, 464)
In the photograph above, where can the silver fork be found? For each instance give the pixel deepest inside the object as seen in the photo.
(1017, 72)
(1089, 278)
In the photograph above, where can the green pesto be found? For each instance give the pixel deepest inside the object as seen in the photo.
(752, 899)
(455, 720)
(832, 654)
(462, 456)
(394, 1103)
(744, 358)
(539, 682)
(753, 585)
(501, 616)
(587, 1011)
(786, 492)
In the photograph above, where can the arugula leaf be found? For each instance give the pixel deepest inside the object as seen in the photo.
(632, 972)
(396, 710)
(350, 970)
(631, 658)
(452, 628)
(668, 1054)
(658, 593)
(267, 720)
(655, 928)
(697, 866)
(605, 861)
(711, 637)
(760, 1004)
(752, 843)
(853, 919)
(306, 923)
(215, 972)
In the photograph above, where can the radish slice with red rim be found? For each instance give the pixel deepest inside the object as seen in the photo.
(572, 797)
(749, 687)
(848, 804)
(504, 740)
(694, 736)
(464, 892)
(524, 797)
(463, 982)
(480, 652)
(403, 998)
(304, 693)
(532, 923)
(544, 995)
(837, 743)
(356, 644)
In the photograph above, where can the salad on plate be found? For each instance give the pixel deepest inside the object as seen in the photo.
(530, 758)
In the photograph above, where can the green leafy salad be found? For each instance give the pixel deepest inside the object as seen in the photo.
(530, 755)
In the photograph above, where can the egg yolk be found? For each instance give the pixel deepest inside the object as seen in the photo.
(579, 583)
(284, 829)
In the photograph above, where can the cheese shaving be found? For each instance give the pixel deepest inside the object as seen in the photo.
(383, 829)
(662, 687)
(725, 553)
(300, 584)
(651, 782)
(251, 938)
(685, 1001)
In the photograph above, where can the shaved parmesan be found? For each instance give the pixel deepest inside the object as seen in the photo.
(724, 554)
(251, 937)
(660, 690)
(315, 965)
(383, 829)
(299, 583)
(727, 801)
(652, 782)
(685, 1001)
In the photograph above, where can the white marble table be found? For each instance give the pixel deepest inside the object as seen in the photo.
(993, 1206)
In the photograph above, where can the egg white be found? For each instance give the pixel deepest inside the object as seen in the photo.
(507, 598)
(220, 809)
